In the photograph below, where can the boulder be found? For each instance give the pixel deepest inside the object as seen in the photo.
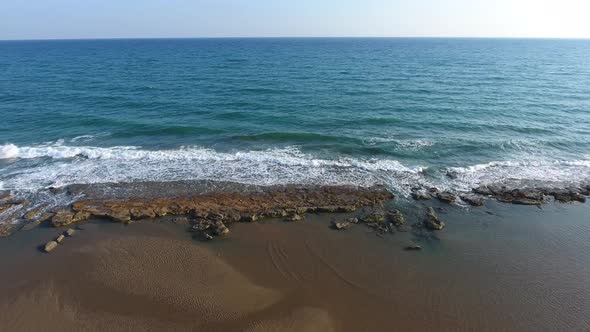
(67, 217)
(352, 220)
(220, 228)
(50, 246)
(396, 218)
(295, 217)
(446, 197)
(60, 239)
(432, 222)
(474, 200)
(70, 232)
(341, 225)
(483, 190)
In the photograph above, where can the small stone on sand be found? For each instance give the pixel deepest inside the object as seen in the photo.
(60, 238)
(50, 246)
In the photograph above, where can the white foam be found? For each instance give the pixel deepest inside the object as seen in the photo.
(56, 164)
(9, 151)
(69, 164)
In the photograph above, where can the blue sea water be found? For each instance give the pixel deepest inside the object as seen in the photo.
(451, 113)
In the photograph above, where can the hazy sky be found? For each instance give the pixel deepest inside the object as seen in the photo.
(33, 19)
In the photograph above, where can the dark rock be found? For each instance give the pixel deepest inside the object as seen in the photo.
(249, 217)
(207, 237)
(396, 218)
(413, 247)
(374, 217)
(474, 200)
(483, 190)
(446, 197)
(432, 222)
(50, 246)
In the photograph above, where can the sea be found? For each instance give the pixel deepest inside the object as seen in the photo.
(400, 112)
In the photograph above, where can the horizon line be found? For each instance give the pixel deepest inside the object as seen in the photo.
(294, 37)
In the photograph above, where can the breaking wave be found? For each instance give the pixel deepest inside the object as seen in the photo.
(56, 164)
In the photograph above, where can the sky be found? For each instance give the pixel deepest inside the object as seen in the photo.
(64, 19)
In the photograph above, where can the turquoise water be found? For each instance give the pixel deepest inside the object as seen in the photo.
(453, 113)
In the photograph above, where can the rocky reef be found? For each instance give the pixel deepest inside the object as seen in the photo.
(210, 206)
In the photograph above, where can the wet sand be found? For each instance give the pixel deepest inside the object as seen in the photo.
(497, 268)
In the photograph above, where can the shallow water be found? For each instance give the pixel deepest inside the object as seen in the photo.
(401, 112)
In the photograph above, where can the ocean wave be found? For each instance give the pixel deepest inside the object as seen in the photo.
(70, 164)
(56, 164)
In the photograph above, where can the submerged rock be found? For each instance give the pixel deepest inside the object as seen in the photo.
(432, 222)
(50, 246)
(413, 247)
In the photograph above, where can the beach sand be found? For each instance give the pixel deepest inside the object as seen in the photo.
(501, 267)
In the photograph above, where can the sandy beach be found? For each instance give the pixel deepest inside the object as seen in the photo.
(500, 267)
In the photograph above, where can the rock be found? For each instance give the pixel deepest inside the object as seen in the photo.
(474, 200)
(70, 232)
(251, 217)
(421, 195)
(180, 220)
(432, 222)
(201, 225)
(50, 246)
(352, 220)
(5, 195)
(220, 228)
(374, 217)
(67, 217)
(413, 247)
(6, 230)
(525, 201)
(446, 197)
(483, 190)
(396, 218)
(31, 214)
(144, 212)
(341, 225)
(207, 237)
(60, 238)
(294, 217)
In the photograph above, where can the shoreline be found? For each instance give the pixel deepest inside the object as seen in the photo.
(211, 205)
